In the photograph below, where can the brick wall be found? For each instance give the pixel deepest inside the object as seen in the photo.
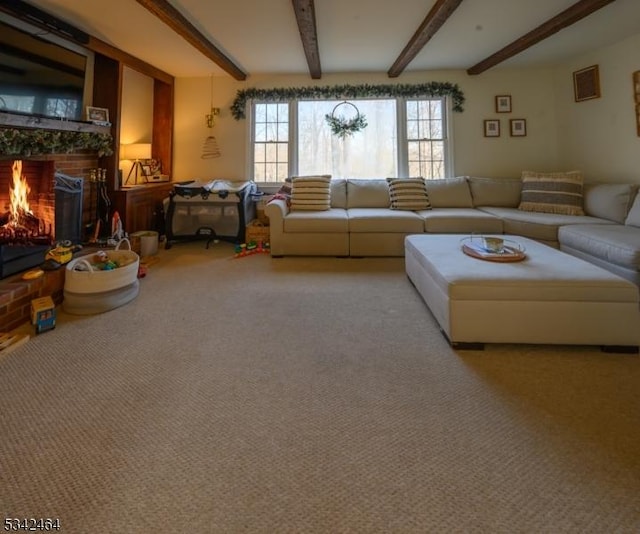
(16, 296)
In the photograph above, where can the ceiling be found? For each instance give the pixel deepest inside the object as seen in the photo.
(262, 36)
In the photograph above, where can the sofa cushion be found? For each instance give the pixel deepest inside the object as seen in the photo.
(408, 194)
(498, 192)
(612, 243)
(384, 220)
(633, 218)
(332, 220)
(338, 193)
(373, 193)
(609, 201)
(449, 193)
(552, 192)
(540, 226)
(311, 193)
(460, 220)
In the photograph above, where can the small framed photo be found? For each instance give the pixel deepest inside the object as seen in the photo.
(154, 164)
(492, 128)
(586, 83)
(503, 104)
(146, 170)
(99, 115)
(518, 127)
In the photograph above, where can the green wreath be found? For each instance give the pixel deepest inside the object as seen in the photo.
(341, 126)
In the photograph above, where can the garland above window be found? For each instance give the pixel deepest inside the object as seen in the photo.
(19, 142)
(284, 94)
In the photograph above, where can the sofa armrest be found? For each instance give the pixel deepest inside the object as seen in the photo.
(276, 210)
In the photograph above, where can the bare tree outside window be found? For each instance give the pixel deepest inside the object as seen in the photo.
(369, 153)
(425, 138)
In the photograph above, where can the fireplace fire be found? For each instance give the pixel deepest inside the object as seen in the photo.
(27, 214)
(19, 225)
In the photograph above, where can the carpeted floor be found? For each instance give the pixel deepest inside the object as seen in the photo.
(309, 395)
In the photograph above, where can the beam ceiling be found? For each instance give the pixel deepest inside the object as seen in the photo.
(178, 23)
(306, 18)
(569, 16)
(436, 17)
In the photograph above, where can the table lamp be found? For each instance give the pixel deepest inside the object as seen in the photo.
(135, 152)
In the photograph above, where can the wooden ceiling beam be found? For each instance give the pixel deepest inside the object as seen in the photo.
(566, 18)
(306, 18)
(178, 23)
(436, 17)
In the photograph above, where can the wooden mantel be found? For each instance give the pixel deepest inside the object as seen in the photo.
(13, 120)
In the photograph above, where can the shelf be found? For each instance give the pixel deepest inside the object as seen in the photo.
(27, 121)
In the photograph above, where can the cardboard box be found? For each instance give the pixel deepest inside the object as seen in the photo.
(256, 232)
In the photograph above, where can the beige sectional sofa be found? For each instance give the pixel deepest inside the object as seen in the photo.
(361, 223)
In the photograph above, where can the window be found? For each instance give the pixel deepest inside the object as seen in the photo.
(271, 142)
(403, 137)
(425, 138)
(369, 153)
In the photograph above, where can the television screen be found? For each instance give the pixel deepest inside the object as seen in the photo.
(38, 77)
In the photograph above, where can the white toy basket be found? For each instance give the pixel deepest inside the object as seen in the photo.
(81, 277)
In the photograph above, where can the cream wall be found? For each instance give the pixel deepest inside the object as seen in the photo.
(136, 119)
(532, 94)
(599, 136)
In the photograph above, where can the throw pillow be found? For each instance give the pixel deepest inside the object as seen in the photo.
(408, 194)
(553, 192)
(311, 193)
(284, 193)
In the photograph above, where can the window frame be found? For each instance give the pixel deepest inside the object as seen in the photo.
(401, 135)
(447, 142)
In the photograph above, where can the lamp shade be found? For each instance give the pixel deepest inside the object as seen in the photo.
(136, 151)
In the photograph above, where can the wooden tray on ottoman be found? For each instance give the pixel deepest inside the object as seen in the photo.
(475, 249)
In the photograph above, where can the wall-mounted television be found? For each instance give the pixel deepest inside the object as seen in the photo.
(40, 75)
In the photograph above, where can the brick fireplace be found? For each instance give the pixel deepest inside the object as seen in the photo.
(40, 171)
(16, 294)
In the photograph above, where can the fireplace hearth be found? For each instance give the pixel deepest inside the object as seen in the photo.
(17, 258)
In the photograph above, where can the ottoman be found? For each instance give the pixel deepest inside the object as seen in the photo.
(548, 298)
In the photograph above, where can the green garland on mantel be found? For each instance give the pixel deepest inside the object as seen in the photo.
(343, 92)
(24, 142)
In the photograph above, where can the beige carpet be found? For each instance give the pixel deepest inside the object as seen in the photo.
(309, 395)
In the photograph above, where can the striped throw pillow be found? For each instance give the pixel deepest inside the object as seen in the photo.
(408, 194)
(553, 192)
(311, 193)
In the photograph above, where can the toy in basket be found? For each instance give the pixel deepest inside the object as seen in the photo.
(99, 282)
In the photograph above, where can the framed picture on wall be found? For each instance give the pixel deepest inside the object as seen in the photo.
(586, 83)
(503, 104)
(492, 128)
(518, 127)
